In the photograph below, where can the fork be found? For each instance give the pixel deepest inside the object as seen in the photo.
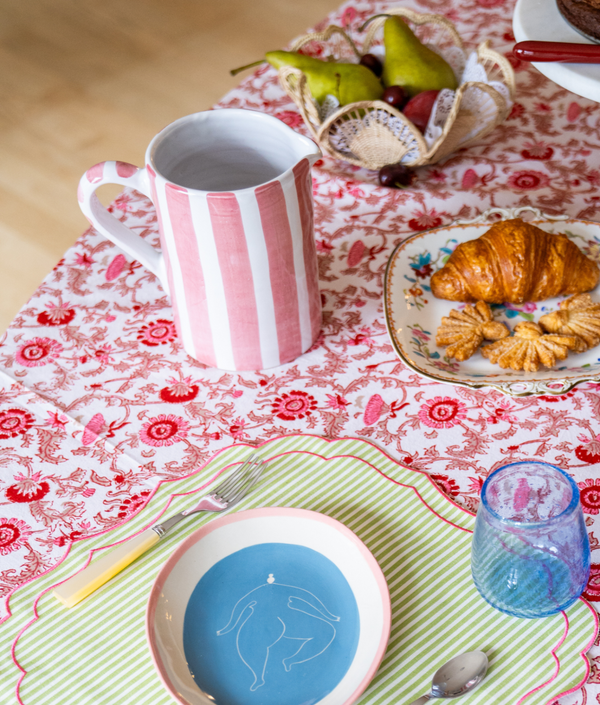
(228, 493)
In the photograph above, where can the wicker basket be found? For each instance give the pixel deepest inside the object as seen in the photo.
(373, 134)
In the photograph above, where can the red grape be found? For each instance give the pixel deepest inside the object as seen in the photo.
(372, 63)
(396, 176)
(396, 96)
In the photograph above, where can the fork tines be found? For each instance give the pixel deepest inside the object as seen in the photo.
(241, 480)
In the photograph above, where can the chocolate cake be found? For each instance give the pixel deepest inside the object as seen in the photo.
(582, 15)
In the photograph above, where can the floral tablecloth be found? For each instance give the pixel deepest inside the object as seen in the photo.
(98, 401)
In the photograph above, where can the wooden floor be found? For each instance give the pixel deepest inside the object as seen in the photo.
(86, 80)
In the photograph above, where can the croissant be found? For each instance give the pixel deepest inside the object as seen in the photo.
(514, 262)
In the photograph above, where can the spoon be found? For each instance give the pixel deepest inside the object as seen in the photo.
(457, 676)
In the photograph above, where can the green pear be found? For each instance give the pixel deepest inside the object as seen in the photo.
(410, 64)
(349, 83)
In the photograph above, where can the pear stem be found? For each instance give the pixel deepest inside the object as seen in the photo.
(234, 72)
(353, 45)
(368, 22)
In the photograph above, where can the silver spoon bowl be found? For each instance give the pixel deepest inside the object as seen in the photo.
(457, 676)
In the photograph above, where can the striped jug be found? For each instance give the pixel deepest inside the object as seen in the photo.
(233, 194)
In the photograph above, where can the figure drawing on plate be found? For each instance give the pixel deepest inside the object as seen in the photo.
(274, 613)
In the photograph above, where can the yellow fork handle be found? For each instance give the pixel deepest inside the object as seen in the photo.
(104, 568)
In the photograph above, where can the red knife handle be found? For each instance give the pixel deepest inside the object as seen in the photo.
(564, 52)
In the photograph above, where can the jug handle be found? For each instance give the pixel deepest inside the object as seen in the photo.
(109, 226)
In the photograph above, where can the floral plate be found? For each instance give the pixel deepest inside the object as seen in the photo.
(413, 314)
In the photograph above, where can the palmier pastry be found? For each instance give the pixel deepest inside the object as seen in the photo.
(514, 262)
(529, 347)
(464, 331)
(578, 316)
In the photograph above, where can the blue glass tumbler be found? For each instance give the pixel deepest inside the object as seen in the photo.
(530, 555)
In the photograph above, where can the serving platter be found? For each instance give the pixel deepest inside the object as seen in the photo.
(413, 314)
(273, 606)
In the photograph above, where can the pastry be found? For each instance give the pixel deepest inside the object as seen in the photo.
(464, 331)
(582, 15)
(529, 347)
(578, 316)
(514, 262)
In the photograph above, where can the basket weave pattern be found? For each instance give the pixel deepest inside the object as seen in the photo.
(372, 134)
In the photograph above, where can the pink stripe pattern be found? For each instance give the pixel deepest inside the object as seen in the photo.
(303, 181)
(180, 215)
(238, 283)
(241, 297)
(278, 239)
(165, 250)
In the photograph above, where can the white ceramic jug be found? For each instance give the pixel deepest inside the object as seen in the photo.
(233, 194)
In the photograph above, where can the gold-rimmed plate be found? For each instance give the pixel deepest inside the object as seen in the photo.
(413, 314)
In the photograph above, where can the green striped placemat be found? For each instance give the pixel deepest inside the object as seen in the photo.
(96, 653)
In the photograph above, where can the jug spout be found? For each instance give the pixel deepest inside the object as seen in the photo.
(310, 150)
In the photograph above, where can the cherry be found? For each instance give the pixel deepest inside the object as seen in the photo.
(418, 109)
(372, 63)
(396, 176)
(395, 96)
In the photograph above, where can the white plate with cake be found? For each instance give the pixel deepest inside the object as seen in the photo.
(561, 359)
(546, 21)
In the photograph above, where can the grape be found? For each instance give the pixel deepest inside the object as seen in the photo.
(395, 96)
(372, 63)
(396, 176)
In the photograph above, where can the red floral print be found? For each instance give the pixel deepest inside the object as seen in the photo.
(373, 410)
(573, 112)
(56, 316)
(528, 180)
(442, 412)
(38, 352)
(56, 420)
(164, 430)
(236, 430)
(290, 117)
(130, 505)
(469, 179)
(356, 253)
(336, 402)
(502, 412)
(115, 268)
(27, 489)
(68, 538)
(592, 590)
(295, 405)
(179, 391)
(448, 485)
(537, 150)
(14, 422)
(157, 333)
(589, 452)
(589, 494)
(517, 111)
(425, 221)
(92, 429)
(14, 534)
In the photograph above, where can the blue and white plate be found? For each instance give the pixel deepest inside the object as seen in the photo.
(272, 606)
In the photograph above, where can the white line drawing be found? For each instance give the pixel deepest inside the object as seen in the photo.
(278, 612)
